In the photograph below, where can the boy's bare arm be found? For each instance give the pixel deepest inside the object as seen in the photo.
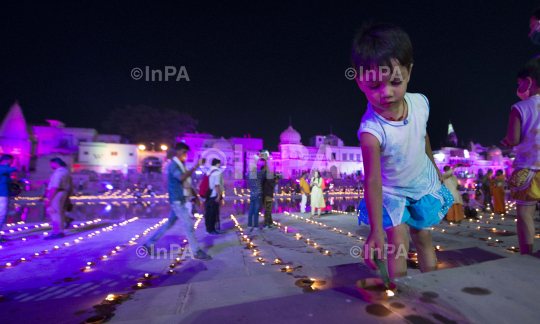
(371, 153)
(430, 155)
(513, 136)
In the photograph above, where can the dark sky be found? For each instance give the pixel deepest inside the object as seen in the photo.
(252, 66)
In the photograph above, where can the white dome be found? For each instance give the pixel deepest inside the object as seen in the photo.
(222, 144)
(290, 136)
(494, 150)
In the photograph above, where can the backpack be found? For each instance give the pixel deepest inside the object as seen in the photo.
(204, 189)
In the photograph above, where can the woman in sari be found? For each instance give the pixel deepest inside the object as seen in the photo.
(498, 192)
(317, 198)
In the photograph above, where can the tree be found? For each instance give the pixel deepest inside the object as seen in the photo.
(144, 124)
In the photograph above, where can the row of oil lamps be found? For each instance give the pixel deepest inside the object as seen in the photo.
(78, 240)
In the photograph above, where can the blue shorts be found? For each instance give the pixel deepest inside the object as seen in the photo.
(420, 214)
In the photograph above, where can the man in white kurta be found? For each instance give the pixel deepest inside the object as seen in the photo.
(58, 191)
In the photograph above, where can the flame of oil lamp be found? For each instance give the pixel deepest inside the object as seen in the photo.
(389, 293)
(287, 267)
(110, 297)
(438, 247)
(87, 267)
(8, 264)
(139, 284)
(23, 259)
(146, 275)
(494, 229)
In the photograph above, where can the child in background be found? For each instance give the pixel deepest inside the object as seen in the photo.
(470, 205)
(402, 183)
(524, 132)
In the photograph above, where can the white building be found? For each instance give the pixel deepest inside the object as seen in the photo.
(327, 154)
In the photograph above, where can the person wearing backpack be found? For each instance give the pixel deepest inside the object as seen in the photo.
(178, 174)
(213, 196)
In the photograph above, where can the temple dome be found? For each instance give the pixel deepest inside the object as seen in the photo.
(222, 144)
(14, 125)
(290, 136)
(494, 150)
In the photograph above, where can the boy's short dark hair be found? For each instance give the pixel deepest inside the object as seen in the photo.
(446, 168)
(6, 157)
(215, 162)
(376, 45)
(181, 146)
(531, 69)
(59, 161)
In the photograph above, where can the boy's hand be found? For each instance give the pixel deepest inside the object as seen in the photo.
(375, 241)
(505, 143)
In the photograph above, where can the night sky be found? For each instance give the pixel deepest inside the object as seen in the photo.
(252, 66)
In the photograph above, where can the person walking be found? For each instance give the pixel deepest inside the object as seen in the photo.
(58, 191)
(255, 196)
(317, 195)
(455, 213)
(5, 183)
(211, 204)
(304, 189)
(175, 179)
(268, 185)
(486, 188)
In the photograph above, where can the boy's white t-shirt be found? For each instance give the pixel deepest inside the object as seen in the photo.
(406, 170)
(528, 155)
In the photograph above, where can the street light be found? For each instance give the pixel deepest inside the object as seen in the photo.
(164, 147)
(142, 147)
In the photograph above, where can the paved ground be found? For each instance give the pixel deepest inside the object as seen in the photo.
(477, 283)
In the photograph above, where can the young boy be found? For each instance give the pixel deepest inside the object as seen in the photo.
(524, 132)
(402, 182)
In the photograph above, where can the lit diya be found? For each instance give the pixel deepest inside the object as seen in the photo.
(513, 249)
(140, 285)
(377, 290)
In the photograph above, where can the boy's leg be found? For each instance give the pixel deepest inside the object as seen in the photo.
(397, 240)
(182, 213)
(162, 229)
(525, 227)
(427, 260)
